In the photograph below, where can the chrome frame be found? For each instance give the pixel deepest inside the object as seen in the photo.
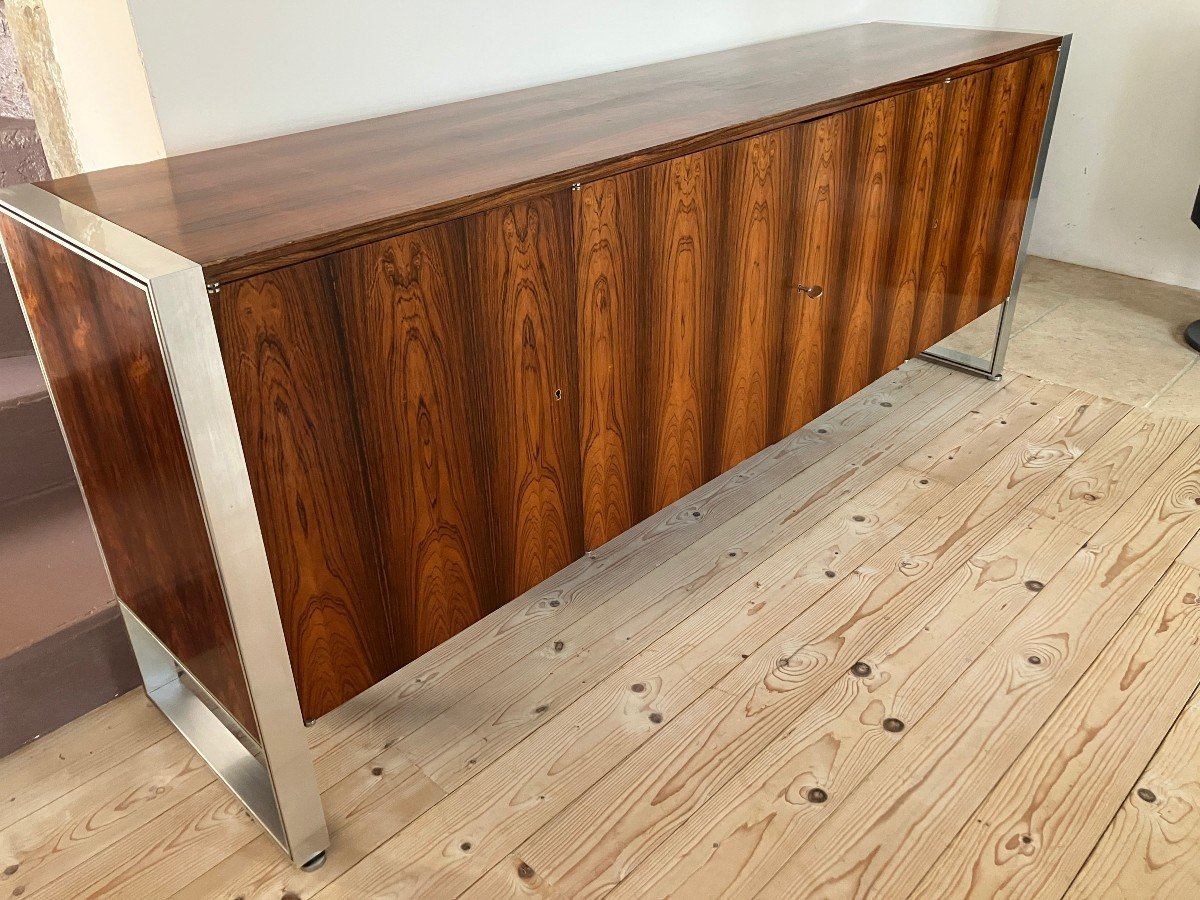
(274, 777)
(993, 369)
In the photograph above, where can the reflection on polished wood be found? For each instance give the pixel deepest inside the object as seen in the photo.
(97, 342)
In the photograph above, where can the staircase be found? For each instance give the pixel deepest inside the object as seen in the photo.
(61, 650)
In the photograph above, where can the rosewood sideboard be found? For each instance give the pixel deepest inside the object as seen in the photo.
(334, 396)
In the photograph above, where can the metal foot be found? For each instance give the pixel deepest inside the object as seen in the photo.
(960, 362)
(315, 863)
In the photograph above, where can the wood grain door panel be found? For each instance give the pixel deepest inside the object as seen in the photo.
(281, 343)
(406, 306)
(991, 133)
(682, 276)
(756, 245)
(525, 385)
(611, 237)
(862, 218)
(681, 285)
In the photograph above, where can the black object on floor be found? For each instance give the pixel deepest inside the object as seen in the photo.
(1192, 335)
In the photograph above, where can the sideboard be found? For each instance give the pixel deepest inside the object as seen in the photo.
(334, 396)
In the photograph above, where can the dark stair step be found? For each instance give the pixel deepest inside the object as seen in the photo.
(52, 572)
(33, 457)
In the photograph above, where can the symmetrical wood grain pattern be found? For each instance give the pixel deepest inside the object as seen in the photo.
(525, 384)
(245, 209)
(728, 297)
(97, 341)
(681, 281)
(279, 339)
(757, 239)
(411, 410)
(406, 310)
(610, 313)
(863, 192)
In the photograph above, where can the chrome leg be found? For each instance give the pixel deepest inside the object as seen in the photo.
(274, 775)
(992, 369)
(232, 759)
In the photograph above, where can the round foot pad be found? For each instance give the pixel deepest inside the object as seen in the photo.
(1192, 335)
(315, 863)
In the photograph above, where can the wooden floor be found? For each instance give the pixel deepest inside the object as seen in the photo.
(942, 642)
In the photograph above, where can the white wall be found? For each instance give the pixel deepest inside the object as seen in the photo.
(223, 71)
(103, 83)
(1124, 164)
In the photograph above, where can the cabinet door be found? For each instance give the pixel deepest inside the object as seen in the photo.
(524, 385)
(757, 237)
(863, 193)
(461, 347)
(681, 280)
(406, 307)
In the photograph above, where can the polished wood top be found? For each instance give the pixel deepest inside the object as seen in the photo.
(254, 207)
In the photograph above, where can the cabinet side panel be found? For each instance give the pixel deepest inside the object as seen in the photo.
(406, 310)
(756, 238)
(96, 338)
(522, 265)
(285, 363)
(610, 235)
(684, 205)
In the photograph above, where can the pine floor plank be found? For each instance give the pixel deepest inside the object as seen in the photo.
(1034, 831)
(755, 819)
(587, 850)
(184, 842)
(672, 674)
(62, 834)
(1152, 846)
(76, 753)
(886, 835)
(361, 815)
